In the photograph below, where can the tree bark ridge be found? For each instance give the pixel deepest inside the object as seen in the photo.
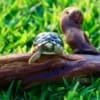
(16, 67)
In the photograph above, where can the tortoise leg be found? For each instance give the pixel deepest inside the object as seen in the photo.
(34, 57)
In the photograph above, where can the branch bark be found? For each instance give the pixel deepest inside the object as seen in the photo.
(16, 67)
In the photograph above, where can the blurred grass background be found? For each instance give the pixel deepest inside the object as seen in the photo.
(22, 20)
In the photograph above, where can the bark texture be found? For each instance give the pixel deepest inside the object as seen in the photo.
(16, 67)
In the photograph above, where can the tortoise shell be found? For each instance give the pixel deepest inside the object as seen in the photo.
(51, 42)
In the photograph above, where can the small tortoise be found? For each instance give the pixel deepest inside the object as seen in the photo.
(46, 43)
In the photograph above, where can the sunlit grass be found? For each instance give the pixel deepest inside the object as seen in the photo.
(22, 20)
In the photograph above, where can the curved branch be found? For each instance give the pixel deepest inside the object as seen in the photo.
(16, 67)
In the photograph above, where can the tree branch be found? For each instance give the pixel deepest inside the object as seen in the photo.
(16, 67)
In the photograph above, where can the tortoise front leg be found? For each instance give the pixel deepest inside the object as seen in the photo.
(34, 57)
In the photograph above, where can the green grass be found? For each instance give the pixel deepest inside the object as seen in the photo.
(22, 20)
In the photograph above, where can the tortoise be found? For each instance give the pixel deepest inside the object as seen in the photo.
(46, 43)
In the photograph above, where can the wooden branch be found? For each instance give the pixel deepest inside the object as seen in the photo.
(14, 58)
(16, 67)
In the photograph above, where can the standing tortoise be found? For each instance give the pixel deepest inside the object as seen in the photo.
(46, 43)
